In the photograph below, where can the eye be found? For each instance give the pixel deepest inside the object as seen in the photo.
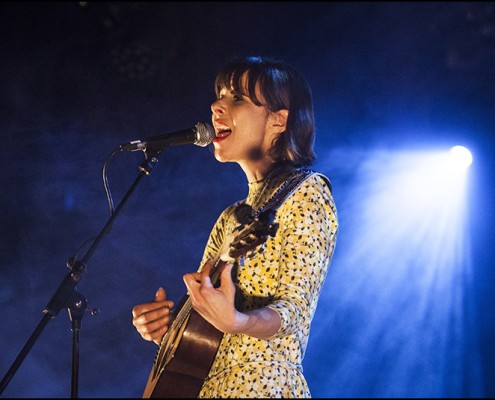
(237, 96)
(221, 93)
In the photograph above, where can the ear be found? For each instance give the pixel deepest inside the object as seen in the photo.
(279, 120)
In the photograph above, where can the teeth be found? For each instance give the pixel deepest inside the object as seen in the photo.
(223, 132)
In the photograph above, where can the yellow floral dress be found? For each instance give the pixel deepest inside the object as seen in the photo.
(287, 276)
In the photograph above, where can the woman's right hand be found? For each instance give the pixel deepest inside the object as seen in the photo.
(151, 319)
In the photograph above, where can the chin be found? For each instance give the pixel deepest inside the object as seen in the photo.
(220, 157)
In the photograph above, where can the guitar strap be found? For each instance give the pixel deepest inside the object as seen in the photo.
(288, 187)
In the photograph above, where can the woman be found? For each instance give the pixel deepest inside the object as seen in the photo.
(263, 120)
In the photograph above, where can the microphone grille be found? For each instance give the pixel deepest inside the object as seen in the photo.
(204, 134)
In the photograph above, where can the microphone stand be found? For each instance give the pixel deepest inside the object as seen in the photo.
(66, 296)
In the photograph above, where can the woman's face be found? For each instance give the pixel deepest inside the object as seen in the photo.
(242, 128)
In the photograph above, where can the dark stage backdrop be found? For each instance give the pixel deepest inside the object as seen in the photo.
(78, 79)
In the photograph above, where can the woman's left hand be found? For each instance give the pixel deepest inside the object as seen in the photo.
(216, 305)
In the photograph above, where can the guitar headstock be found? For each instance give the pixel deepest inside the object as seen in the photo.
(252, 234)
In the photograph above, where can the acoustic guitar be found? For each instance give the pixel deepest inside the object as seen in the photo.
(189, 346)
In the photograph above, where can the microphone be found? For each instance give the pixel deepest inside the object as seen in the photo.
(201, 135)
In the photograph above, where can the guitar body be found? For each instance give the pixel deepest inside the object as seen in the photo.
(184, 375)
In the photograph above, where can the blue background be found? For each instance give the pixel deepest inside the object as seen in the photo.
(79, 79)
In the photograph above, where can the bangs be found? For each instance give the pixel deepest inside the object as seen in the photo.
(231, 77)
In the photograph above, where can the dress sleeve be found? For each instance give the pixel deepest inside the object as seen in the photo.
(308, 226)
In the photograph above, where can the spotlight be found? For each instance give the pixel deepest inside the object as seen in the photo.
(461, 156)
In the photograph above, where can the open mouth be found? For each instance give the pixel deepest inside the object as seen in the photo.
(222, 134)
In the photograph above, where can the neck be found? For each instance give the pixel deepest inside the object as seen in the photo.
(258, 172)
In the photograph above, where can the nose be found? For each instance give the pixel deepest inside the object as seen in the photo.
(217, 107)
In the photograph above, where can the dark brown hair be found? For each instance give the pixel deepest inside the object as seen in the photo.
(282, 87)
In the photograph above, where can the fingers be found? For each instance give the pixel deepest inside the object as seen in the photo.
(207, 267)
(151, 319)
(142, 309)
(194, 280)
(160, 294)
(160, 301)
(154, 330)
(151, 325)
(226, 277)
